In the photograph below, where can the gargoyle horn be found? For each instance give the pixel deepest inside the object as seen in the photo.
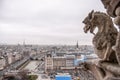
(90, 14)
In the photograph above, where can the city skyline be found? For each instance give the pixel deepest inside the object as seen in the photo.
(45, 21)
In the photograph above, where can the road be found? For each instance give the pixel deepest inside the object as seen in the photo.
(35, 68)
(14, 65)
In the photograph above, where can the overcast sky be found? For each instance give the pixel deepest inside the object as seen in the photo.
(45, 21)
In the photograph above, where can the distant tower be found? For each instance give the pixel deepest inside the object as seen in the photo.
(24, 43)
(77, 45)
(48, 62)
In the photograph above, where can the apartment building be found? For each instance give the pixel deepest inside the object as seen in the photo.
(70, 60)
(59, 62)
(48, 62)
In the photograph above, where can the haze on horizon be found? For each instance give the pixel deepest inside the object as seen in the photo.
(45, 21)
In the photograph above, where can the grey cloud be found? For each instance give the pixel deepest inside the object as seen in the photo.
(45, 21)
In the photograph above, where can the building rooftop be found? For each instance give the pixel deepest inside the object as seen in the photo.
(70, 56)
(60, 54)
(58, 57)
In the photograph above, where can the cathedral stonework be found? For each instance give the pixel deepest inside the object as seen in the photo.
(106, 41)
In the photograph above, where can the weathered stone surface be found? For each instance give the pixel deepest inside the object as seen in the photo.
(117, 20)
(110, 6)
(117, 11)
(106, 41)
(106, 36)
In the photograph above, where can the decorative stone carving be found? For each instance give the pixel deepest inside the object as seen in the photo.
(106, 36)
(106, 41)
(113, 9)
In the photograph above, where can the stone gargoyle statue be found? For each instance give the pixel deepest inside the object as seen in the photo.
(105, 38)
(103, 41)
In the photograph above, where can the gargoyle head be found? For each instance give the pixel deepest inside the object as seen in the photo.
(88, 23)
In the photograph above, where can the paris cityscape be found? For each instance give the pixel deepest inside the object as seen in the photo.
(59, 40)
(46, 61)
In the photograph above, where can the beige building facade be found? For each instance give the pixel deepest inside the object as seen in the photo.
(48, 62)
(59, 62)
(70, 60)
